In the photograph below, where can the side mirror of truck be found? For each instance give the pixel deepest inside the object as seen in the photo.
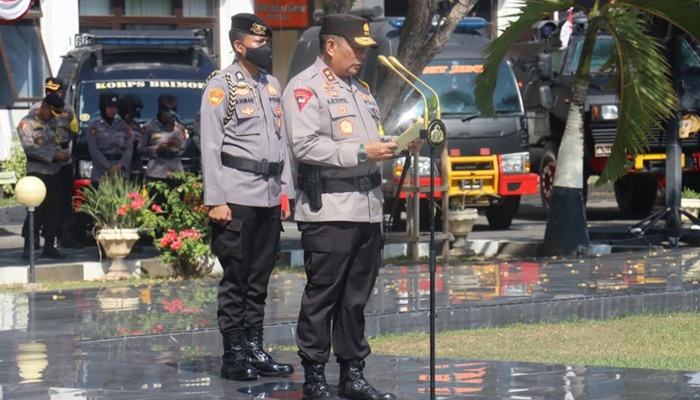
(546, 100)
(544, 66)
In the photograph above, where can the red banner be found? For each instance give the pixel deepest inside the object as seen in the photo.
(284, 14)
(11, 10)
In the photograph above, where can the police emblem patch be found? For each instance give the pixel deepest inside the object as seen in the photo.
(248, 110)
(216, 96)
(40, 139)
(258, 29)
(92, 131)
(271, 89)
(302, 97)
(345, 127)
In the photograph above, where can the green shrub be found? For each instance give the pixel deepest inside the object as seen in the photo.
(17, 162)
(690, 194)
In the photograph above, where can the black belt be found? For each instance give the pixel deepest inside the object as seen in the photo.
(168, 156)
(342, 185)
(113, 157)
(263, 167)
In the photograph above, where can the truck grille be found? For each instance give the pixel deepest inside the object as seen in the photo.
(472, 166)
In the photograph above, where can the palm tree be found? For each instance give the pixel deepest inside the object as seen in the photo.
(642, 79)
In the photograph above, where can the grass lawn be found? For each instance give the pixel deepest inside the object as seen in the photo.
(11, 201)
(666, 341)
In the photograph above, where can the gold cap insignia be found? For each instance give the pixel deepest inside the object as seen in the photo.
(365, 28)
(259, 29)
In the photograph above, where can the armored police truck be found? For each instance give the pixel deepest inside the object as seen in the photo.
(544, 65)
(145, 63)
(488, 160)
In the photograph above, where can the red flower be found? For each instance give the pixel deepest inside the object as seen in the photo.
(164, 241)
(157, 208)
(133, 195)
(121, 210)
(190, 233)
(137, 204)
(176, 244)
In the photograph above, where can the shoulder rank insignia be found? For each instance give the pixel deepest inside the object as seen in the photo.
(302, 97)
(271, 89)
(38, 125)
(216, 96)
(92, 131)
(328, 74)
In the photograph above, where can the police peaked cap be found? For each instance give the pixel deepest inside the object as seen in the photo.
(167, 102)
(55, 103)
(353, 28)
(130, 104)
(250, 24)
(109, 99)
(53, 84)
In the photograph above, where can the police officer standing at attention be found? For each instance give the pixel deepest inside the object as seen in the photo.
(130, 106)
(42, 146)
(163, 141)
(66, 126)
(109, 140)
(333, 127)
(245, 177)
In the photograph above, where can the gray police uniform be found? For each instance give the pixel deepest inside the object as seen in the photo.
(109, 145)
(162, 164)
(244, 162)
(40, 142)
(326, 119)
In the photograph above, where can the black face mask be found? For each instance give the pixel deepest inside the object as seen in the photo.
(261, 56)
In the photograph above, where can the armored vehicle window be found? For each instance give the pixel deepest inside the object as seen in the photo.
(604, 47)
(689, 55)
(24, 64)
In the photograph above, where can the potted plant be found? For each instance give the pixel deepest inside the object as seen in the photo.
(182, 232)
(119, 212)
(690, 201)
(461, 219)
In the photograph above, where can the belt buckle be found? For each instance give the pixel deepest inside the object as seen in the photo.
(364, 183)
(264, 167)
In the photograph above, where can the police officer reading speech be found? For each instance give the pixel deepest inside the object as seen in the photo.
(245, 176)
(45, 156)
(109, 140)
(333, 126)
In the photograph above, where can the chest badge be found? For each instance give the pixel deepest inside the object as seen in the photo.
(248, 110)
(92, 131)
(40, 140)
(242, 92)
(345, 127)
(216, 96)
(332, 93)
(271, 89)
(342, 109)
(278, 110)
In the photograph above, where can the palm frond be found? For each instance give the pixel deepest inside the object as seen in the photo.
(645, 91)
(682, 13)
(531, 12)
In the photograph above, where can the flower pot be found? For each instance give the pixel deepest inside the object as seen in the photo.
(117, 243)
(690, 205)
(461, 223)
(118, 299)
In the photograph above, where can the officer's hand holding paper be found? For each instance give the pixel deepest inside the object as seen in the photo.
(410, 135)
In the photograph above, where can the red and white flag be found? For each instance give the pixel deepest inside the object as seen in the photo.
(11, 10)
(567, 29)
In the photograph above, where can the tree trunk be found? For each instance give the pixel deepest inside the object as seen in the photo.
(417, 47)
(337, 6)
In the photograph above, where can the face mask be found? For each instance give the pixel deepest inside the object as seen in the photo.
(261, 56)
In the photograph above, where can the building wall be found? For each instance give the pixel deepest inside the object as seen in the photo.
(228, 8)
(59, 25)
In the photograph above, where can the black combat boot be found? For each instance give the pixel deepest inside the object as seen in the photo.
(50, 250)
(259, 359)
(352, 384)
(315, 386)
(234, 365)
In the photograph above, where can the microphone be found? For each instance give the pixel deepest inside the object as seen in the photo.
(395, 61)
(382, 59)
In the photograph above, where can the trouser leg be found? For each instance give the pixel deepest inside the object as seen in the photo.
(264, 246)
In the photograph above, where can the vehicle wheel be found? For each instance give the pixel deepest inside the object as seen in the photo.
(548, 168)
(397, 224)
(636, 194)
(425, 216)
(501, 216)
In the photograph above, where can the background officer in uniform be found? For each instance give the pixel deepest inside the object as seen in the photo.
(245, 176)
(163, 141)
(333, 127)
(130, 106)
(66, 126)
(109, 140)
(42, 146)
